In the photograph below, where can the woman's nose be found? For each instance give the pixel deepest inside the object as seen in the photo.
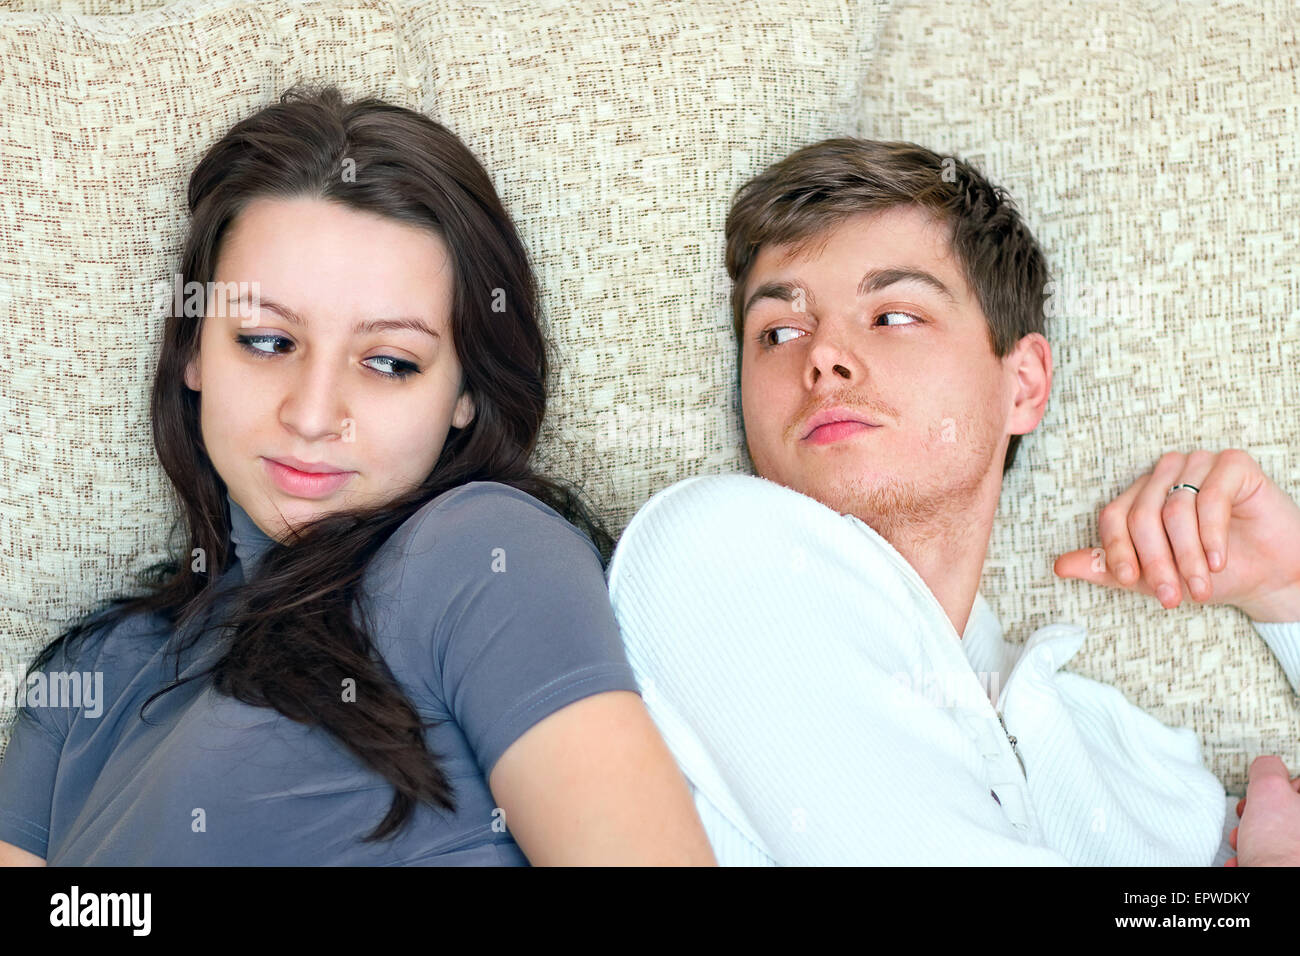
(315, 403)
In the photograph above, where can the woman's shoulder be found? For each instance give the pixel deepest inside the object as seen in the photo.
(490, 507)
(107, 640)
(493, 577)
(479, 512)
(479, 494)
(84, 673)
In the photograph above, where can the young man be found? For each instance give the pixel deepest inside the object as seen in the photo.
(811, 641)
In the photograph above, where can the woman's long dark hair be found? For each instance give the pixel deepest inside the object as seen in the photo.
(297, 630)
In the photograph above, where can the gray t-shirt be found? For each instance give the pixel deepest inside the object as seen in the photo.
(489, 608)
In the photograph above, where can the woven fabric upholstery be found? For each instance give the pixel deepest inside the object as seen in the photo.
(1152, 148)
(615, 134)
(1150, 145)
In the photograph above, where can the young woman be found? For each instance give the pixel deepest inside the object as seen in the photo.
(383, 642)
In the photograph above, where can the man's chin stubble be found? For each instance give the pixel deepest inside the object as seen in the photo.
(891, 507)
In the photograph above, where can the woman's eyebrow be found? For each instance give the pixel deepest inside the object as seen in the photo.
(364, 327)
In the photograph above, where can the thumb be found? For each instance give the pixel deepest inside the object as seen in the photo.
(1261, 768)
(1088, 564)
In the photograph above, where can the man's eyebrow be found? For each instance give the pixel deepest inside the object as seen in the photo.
(873, 281)
(364, 327)
(877, 279)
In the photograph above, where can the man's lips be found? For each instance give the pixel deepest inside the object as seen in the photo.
(834, 431)
(836, 416)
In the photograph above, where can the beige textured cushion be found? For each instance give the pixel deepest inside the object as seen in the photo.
(1152, 147)
(89, 7)
(616, 135)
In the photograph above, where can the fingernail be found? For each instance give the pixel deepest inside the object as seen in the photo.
(1166, 593)
(1123, 571)
(1197, 585)
(1216, 560)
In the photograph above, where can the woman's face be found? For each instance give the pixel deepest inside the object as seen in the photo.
(345, 363)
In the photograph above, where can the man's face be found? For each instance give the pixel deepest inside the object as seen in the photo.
(852, 331)
(324, 391)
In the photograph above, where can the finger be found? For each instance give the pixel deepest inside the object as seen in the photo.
(1232, 837)
(1219, 489)
(1079, 564)
(1091, 564)
(1264, 768)
(1241, 806)
(1181, 512)
(1147, 529)
(1112, 524)
(1231, 862)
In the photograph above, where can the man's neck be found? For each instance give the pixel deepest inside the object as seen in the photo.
(950, 562)
(948, 551)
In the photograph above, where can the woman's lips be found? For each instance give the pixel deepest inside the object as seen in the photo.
(835, 431)
(301, 484)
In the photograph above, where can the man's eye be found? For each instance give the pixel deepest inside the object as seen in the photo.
(771, 337)
(906, 315)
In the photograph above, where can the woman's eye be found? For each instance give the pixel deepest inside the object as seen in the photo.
(250, 343)
(397, 368)
(906, 315)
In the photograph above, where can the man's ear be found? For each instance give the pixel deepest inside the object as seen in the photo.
(192, 374)
(464, 411)
(1032, 361)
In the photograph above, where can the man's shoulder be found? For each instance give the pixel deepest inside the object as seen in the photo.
(712, 543)
(730, 493)
(741, 554)
(714, 512)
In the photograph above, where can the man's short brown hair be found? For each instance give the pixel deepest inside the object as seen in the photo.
(819, 186)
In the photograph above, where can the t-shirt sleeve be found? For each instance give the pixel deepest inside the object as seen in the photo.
(527, 627)
(31, 761)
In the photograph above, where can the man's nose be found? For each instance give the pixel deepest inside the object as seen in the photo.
(832, 353)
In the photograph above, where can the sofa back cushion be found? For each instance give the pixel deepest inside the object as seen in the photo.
(615, 134)
(1151, 147)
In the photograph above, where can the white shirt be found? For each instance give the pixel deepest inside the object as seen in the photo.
(824, 710)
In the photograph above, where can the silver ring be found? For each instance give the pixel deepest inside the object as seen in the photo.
(1192, 488)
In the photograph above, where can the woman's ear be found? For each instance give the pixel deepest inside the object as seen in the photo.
(192, 374)
(464, 412)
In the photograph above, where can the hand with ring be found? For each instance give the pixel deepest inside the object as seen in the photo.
(1205, 525)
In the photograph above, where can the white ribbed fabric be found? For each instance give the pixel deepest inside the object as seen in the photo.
(825, 711)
